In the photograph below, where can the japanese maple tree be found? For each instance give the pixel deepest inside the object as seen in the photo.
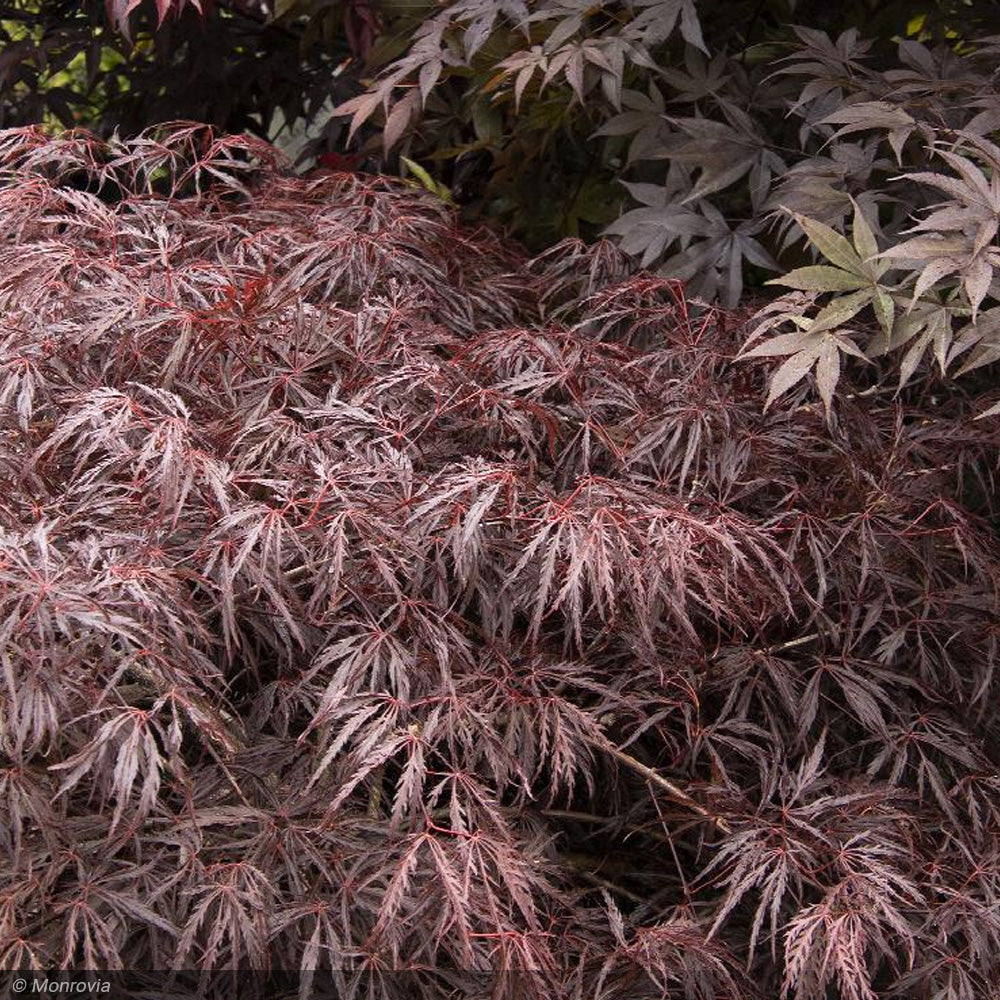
(374, 597)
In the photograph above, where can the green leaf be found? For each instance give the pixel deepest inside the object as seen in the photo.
(487, 120)
(785, 343)
(828, 372)
(864, 238)
(831, 245)
(792, 371)
(840, 310)
(420, 174)
(596, 202)
(820, 278)
(426, 181)
(885, 309)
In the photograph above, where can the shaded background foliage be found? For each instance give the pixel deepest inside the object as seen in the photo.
(374, 596)
(69, 63)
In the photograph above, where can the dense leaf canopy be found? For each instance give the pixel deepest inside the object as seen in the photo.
(373, 596)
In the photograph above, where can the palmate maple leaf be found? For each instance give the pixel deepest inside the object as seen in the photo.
(853, 267)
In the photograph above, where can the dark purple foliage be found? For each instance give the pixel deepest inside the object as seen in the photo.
(372, 597)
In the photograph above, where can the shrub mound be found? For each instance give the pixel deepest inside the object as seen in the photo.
(373, 597)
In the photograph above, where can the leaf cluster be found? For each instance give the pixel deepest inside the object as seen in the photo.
(943, 310)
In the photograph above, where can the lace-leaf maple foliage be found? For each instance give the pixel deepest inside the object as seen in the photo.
(374, 597)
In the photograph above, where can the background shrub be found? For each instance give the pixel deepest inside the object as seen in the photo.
(732, 145)
(373, 596)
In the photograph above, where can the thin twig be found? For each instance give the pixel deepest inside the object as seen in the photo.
(668, 786)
